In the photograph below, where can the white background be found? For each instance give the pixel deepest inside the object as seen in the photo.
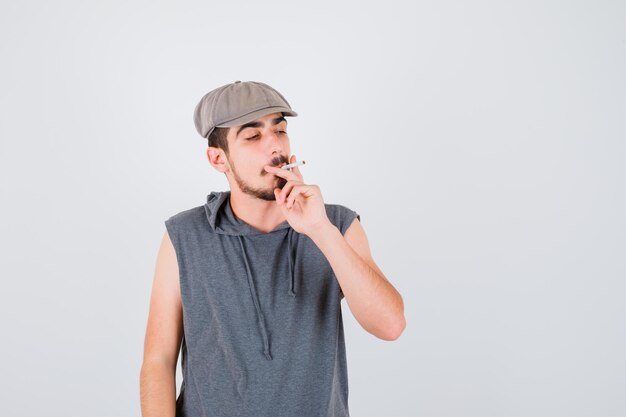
(482, 143)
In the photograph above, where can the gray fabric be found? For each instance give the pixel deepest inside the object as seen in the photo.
(263, 330)
(238, 103)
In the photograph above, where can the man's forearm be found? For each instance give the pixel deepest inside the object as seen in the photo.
(158, 390)
(374, 302)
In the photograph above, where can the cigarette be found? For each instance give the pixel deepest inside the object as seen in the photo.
(295, 164)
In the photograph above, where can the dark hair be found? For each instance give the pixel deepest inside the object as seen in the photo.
(217, 138)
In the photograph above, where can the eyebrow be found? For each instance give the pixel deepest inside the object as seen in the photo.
(259, 124)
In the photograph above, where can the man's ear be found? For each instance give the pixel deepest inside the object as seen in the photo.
(217, 158)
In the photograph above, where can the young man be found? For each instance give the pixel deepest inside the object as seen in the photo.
(251, 282)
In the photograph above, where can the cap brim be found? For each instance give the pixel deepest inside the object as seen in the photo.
(256, 114)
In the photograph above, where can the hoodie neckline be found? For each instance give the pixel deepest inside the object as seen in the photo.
(223, 220)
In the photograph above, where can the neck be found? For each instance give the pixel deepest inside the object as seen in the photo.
(261, 215)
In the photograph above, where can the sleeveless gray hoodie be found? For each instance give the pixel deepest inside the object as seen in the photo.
(263, 330)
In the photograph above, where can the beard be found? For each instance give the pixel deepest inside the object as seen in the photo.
(266, 194)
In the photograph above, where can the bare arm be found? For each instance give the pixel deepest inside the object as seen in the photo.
(374, 302)
(163, 337)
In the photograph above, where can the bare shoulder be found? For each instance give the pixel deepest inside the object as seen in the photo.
(357, 239)
(165, 325)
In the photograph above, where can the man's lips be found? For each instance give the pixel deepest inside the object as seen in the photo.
(279, 165)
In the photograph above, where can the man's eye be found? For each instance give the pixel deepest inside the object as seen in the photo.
(257, 135)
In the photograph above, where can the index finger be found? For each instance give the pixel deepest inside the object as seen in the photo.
(283, 173)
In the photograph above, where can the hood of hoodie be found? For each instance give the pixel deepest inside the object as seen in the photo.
(223, 221)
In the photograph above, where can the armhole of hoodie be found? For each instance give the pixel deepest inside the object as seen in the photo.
(346, 217)
(172, 231)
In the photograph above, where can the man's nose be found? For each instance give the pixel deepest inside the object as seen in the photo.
(274, 141)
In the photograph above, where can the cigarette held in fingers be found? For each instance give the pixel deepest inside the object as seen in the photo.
(295, 164)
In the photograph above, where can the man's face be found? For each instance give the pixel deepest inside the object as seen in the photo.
(253, 145)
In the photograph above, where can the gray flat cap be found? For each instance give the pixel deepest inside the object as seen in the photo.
(238, 103)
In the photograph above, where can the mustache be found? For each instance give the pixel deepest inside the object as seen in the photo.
(275, 162)
(279, 160)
